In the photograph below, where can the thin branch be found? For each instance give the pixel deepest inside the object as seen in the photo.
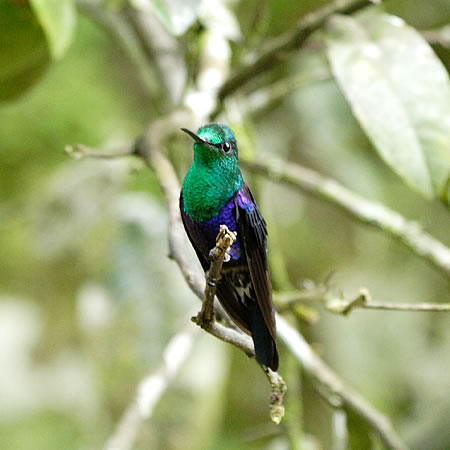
(341, 305)
(288, 42)
(363, 300)
(279, 388)
(224, 241)
(261, 100)
(375, 214)
(332, 389)
(340, 429)
(412, 307)
(150, 390)
(80, 151)
(163, 49)
(205, 319)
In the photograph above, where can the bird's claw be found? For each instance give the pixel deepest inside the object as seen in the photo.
(226, 256)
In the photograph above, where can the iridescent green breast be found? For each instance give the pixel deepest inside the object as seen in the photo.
(207, 188)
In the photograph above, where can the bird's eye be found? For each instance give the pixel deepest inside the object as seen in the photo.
(226, 147)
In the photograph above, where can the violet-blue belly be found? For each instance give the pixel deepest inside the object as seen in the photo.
(205, 233)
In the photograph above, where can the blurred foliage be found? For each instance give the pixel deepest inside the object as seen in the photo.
(88, 297)
(24, 54)
(57, 18)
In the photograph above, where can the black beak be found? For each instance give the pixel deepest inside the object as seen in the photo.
(196, 138)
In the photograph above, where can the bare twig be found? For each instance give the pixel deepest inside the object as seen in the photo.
(150, 390)
(412, 307)
(341, 305)
(205, 319)
(282, 48)
(276, 399)
(80, 151)
(224, 241)
(375, 214)
(163, 49)
(259, 101)
(340, 429)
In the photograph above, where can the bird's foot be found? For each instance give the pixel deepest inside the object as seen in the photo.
(213, 254)
(224, 240)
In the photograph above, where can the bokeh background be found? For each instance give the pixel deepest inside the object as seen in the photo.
(89, 298)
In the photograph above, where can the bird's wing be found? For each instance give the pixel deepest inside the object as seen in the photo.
(252, 233)
(225, 290)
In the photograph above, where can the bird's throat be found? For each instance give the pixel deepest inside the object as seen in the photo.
(208, 187)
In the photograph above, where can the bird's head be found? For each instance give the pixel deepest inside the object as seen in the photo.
(214, 142)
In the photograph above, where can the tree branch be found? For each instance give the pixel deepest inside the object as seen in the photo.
(288, 42)
(80, 151)
(224, 241)
(366, 211)
(341, 305)
(205, 319)
(163, 49)
(363, 300)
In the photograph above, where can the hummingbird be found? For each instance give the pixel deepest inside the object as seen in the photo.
(214, 193)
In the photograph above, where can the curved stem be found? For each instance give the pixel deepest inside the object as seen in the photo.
(372, 213)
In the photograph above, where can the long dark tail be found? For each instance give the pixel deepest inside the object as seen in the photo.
(265, 346)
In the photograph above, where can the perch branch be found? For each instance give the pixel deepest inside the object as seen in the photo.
(289, 42)
(224, 241)
(369, 212)
(205, 319)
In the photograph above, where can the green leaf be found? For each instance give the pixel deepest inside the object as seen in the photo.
(24, 55)
(58, 18)
(399, 92)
